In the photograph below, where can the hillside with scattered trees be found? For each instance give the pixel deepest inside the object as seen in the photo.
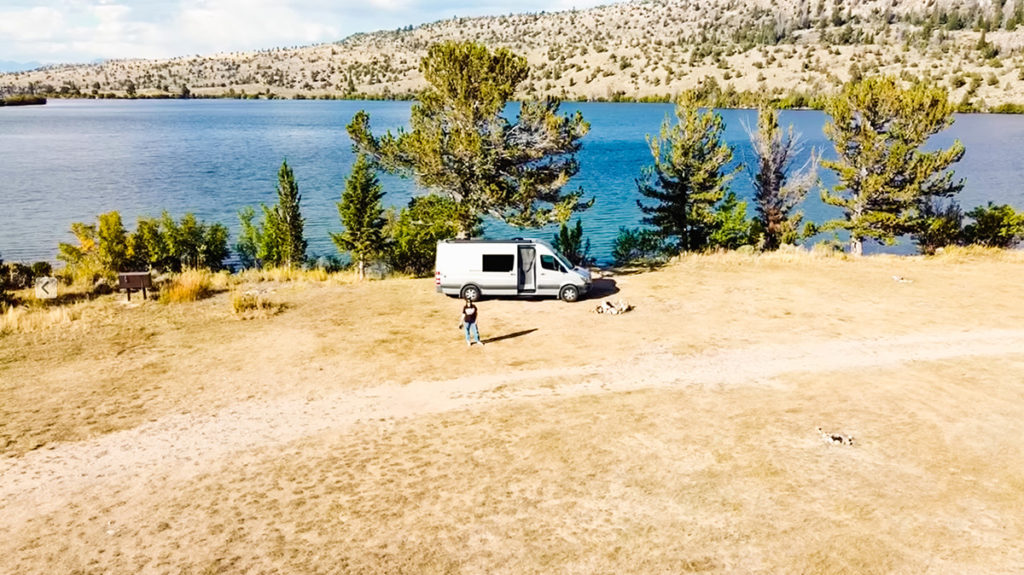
(733, 50)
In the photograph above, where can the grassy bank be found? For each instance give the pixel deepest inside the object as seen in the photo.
(22, 100)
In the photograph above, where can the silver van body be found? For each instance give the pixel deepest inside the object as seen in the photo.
(519, 267)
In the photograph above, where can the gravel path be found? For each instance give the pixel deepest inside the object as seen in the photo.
(185, 445)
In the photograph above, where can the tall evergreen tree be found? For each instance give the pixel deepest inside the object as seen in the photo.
(288, 222)
(688, 176)
(460, 145)
(277, 240)
(878, 129)
(776, 194)
(361, 215)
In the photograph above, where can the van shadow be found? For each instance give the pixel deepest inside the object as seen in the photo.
(602, 287)
(509, 335)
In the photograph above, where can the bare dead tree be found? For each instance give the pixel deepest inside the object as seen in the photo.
(777, 191)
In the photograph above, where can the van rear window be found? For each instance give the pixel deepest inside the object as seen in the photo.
(498, 262)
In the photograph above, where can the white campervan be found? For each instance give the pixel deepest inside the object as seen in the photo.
(519, 267)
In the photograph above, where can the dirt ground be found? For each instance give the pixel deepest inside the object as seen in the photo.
(355, 432)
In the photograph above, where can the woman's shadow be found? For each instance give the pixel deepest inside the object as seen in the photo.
(599, 288)
(510, 335)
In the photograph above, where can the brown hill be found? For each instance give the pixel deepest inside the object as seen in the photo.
(632, 50)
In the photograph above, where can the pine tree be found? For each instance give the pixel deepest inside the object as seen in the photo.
(360, 212)
(278, 239)
(878, 129)
(688, 176)
(288, 222)
(460, 145)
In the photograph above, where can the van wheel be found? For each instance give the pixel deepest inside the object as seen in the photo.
(470, 292)
(569, 293)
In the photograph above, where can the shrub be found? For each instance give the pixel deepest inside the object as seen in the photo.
(414, 232)
(22, 100)
(112, 242)
(17, 275)
(5, 298)
(1008, 108)
(191, 243)
(569, 241)
(731, 228)
(939, 225)
(252, 303)
(81, 262)
(164, 245)
(994, 226)
(639, 246)
(41, 269)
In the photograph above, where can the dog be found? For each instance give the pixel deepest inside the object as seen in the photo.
(613, 308)
(839, 438)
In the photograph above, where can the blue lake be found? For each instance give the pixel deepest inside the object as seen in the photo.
(74, 159)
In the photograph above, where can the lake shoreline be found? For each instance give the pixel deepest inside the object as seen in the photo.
(1007, 108)
(77, 158)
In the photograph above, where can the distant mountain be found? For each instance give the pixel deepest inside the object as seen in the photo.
(9, 66)
(645, 49)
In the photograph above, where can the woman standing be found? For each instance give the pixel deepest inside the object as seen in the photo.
(469, 317)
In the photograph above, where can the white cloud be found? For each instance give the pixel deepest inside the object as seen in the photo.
(31, 25)
(227, 25)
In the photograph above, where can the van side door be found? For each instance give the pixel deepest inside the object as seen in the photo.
(527, 269)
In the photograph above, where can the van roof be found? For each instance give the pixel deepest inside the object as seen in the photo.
(508, 241)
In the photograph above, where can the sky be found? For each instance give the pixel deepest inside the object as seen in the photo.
(79, 31)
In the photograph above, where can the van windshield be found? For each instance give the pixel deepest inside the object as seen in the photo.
(564, 261)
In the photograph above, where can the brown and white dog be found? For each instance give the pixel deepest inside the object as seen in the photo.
(836, 438)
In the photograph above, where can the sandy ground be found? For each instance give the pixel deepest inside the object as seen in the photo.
(679, 437)
(45, 480)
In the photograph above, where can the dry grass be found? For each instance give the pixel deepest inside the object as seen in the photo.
(284, 274)
(251, 304)
(24, 319)
(707, 477)
(958, 254)
(193, 285)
